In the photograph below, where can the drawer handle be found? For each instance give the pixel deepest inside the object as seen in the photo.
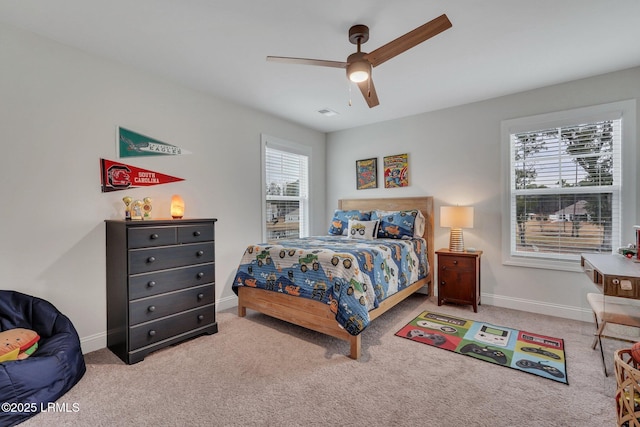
(200, 296)
(201, 317)
(152, 308)
(200, 275)
(151, 259)
(199, 253)
(455, 262)
(154, 236)
(196, 233)
(152, 333)
(443, 283)
(151, 284)
(444, 268)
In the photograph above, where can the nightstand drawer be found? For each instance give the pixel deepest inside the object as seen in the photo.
(145, 260)
(195, 233)
(149, 284)
(143, 237)
(151, 332)
(147, 309)
(461, 263)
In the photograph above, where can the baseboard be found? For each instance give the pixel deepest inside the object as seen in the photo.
(227, 302)
(93, 342)
(565, 311)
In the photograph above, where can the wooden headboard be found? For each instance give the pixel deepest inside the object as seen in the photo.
(425, 204)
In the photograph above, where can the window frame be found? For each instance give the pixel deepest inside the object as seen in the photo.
(293, 148)
(627, 196)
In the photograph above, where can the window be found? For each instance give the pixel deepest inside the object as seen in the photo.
(285, 189)
(565, 185)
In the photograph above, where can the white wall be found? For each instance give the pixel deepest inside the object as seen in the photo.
(454, 155)
(59, 108)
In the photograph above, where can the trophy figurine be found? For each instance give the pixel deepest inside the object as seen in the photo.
(137, 209)
(146, 207)
(127, 209)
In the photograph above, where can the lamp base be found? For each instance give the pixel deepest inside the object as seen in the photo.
(456, 241)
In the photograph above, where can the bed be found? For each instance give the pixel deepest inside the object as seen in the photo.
(381, 273)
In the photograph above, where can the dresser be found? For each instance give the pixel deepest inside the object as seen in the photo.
(459, 277)
(160, 284)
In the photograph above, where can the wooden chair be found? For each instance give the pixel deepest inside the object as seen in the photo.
(616, 310)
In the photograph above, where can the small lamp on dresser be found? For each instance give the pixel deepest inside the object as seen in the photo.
(456, 218)
(177, 207)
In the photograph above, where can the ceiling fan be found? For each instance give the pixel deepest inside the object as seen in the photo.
(359, 64)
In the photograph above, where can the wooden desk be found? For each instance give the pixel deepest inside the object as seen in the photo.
(618, 278)
(613, 274)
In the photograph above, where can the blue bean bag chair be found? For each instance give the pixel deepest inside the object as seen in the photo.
(27, 386)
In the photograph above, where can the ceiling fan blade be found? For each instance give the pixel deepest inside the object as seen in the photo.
(369, 92)
(306, 61)
(409, 40)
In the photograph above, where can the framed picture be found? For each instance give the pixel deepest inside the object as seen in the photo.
(396, 171)
(366, 173)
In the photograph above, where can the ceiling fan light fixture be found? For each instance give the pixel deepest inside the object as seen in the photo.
(358, 68)
(358, 76)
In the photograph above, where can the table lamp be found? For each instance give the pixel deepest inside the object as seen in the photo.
(457, 218)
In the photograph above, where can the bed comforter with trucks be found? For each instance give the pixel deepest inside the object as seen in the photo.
(351, 276)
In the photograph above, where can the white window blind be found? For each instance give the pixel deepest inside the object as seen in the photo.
(286, 175)
(565, 189)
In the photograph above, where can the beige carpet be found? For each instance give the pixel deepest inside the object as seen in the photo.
(259, 371)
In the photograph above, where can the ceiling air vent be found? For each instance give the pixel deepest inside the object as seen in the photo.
(327, 112)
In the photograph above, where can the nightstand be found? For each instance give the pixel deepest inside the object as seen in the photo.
(459, 277)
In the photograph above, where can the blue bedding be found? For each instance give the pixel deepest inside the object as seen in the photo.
(352, 276)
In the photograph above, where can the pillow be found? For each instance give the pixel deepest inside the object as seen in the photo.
(18, 344)
(397, 224)
(365, 230)
(340, 221)
(420, 224)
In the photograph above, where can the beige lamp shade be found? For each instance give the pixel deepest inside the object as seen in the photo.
(457, 218)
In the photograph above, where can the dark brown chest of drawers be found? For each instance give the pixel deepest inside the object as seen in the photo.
(160, 284)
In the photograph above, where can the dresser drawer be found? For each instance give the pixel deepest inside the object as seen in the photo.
(143, 237)
(149, 284)
(144, 310)
(195, 233)
(146, 260)
(151, 332)
(461, 263)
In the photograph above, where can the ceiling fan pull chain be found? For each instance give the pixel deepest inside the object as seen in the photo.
(349, 85)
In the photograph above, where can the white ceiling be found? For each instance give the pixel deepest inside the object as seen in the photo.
(495, 47)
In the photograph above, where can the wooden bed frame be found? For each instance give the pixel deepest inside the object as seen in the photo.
(316, 315)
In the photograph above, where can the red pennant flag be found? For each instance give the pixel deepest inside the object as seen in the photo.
(118, 176)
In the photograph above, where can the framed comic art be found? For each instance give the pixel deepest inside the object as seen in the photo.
(366, 173)
(396, 171)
